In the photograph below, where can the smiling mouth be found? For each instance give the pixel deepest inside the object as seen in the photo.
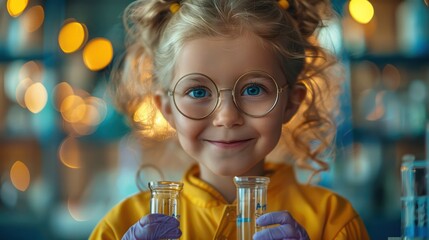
(229, 144)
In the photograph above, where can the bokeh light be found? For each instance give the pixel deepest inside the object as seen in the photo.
(96, 111)
(61, 92)
(69, 153)
(97, 54)
(82, 113)
(76, 211)
(36, 97)
(20, 78)
(31, 69)
(93, 111)
(11, 79)
(20, 176)
(21, 89)
(80, 128)
(72, 108)
(391, 77)
(33, 18)
(361, 10)
(16, 7)
(72, 36)
(142, 116)
(378, 112)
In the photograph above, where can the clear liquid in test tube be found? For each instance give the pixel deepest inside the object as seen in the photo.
(251, 203)
(165, 197)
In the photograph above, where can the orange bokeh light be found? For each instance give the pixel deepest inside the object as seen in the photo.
(97, 54)
(72, 36)
(20, 176)
(16, 7)
(69, 153)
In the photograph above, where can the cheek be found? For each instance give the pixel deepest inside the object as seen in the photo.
(187, 129)
(188, 133)
(272, 127)
(274, 130)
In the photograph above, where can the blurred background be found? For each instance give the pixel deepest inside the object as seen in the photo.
(66, 155)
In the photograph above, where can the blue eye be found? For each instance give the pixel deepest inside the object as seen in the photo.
(198, 93)
(252, 90)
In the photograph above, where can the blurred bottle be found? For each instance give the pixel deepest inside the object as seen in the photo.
(415, 199)
(415, 112)
(413, 28)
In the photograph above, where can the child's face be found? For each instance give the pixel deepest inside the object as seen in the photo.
(228, 142)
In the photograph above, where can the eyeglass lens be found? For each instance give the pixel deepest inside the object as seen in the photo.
(196, 96)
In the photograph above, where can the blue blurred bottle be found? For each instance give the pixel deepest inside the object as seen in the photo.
(413, 28)
(415, 199)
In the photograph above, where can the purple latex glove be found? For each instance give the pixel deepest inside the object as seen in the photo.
(154, 226)
(288, 229)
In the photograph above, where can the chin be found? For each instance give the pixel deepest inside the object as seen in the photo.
(230, 171)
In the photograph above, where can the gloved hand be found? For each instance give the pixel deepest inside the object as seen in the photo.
(154, 226)
(288, 229)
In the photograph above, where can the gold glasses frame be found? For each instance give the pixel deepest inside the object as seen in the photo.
(219, 90)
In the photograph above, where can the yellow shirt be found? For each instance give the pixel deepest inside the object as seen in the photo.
(204, 213)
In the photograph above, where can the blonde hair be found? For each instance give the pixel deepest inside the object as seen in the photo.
(156, 35)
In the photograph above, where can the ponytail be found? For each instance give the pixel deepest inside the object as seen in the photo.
(145, 21)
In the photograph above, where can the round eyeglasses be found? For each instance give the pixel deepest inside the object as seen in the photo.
(255, 94)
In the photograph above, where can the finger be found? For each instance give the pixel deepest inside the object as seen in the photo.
(150, 232)
(281, 232)
(156, 226)
(282, 217)
(158, 218)
(303, 235)
(167, 233)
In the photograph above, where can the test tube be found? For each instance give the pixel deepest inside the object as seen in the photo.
(165, 197)
(251, 203)
(414, 198)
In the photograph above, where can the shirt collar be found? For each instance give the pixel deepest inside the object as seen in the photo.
(204, 195)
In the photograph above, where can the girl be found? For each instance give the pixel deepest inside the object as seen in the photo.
(236, 80)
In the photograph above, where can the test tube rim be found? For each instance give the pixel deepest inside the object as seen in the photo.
(244, 180)
(165, 185)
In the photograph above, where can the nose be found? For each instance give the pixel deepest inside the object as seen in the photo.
(227, 114)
